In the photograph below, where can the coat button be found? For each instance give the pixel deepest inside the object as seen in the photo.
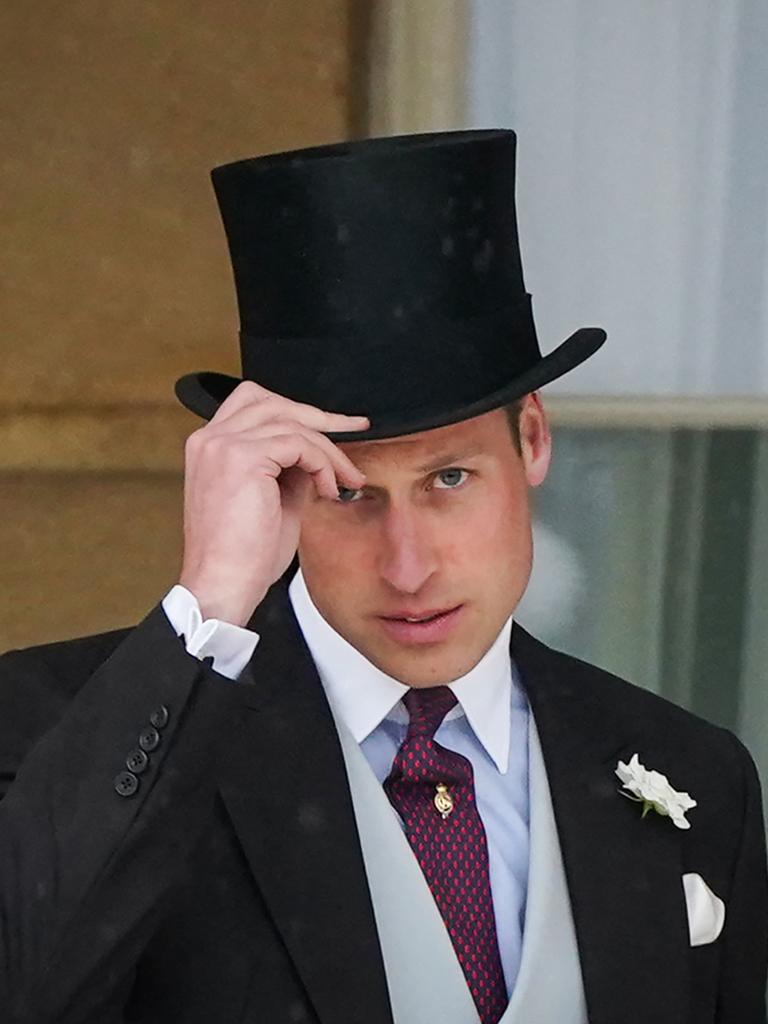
(149, 739)
(126, 784)
(136, 761)
(159, 717)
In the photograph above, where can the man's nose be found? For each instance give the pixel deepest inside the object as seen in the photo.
(407, 551)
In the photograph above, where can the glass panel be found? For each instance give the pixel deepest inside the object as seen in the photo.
(651, 560)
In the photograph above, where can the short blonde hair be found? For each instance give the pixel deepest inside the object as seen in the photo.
(513, 410)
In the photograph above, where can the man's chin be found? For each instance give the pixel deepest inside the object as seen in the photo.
(421, 668)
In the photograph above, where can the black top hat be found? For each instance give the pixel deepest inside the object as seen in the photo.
(383, 277)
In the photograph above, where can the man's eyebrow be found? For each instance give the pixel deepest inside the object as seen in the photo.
(450, 457)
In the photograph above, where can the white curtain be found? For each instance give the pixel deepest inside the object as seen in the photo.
(642, 181)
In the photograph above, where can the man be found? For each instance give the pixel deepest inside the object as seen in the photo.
(287, 796)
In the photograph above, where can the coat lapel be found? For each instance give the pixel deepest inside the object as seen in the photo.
(284, 784)
(623, 872)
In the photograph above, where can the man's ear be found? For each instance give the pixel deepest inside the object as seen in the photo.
(535, 439)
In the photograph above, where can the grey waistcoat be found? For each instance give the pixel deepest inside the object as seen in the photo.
(425, 979)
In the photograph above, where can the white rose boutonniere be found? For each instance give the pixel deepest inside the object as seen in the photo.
(654, 791)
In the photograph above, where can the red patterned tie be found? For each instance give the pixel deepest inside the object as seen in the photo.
(433, 791)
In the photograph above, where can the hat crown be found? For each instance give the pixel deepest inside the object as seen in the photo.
(390, 232)
(383, 276)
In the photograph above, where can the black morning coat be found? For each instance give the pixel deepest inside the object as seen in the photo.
(230, 887)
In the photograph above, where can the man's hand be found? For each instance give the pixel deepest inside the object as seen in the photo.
(248, 474)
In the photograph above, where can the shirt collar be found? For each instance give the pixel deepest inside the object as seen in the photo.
(362, 695)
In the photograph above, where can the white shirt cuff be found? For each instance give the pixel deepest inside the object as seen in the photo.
(230, 646)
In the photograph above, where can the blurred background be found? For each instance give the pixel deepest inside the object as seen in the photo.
(642, 197)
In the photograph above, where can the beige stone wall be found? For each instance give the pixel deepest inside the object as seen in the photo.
(83, 552)
(114, 275)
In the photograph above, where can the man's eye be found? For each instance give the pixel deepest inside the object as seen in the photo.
(452, 469)
(344, 492)
(347, 490)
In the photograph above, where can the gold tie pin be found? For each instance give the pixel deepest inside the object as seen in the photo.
(443, 800)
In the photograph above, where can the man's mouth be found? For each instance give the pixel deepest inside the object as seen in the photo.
(427, 627)
(419, 616)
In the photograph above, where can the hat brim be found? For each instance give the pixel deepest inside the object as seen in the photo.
(203, 393)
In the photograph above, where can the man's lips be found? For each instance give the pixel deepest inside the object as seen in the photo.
(424, 614)
(430, 631)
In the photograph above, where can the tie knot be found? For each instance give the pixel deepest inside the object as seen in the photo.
(427, 708)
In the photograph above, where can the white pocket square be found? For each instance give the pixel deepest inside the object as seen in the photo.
(706, 912)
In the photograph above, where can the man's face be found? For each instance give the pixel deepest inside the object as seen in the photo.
(417, 538)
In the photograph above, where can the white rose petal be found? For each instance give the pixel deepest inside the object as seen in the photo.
(654, 788)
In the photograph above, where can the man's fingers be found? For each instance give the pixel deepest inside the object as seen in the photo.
(261, 434)
(259, 403)
(285, 446)
(276, 415)
(342, 463)
(294, 449)
(247, 392)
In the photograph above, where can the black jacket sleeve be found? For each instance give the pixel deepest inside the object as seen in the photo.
(89, 850)
(742, 988)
